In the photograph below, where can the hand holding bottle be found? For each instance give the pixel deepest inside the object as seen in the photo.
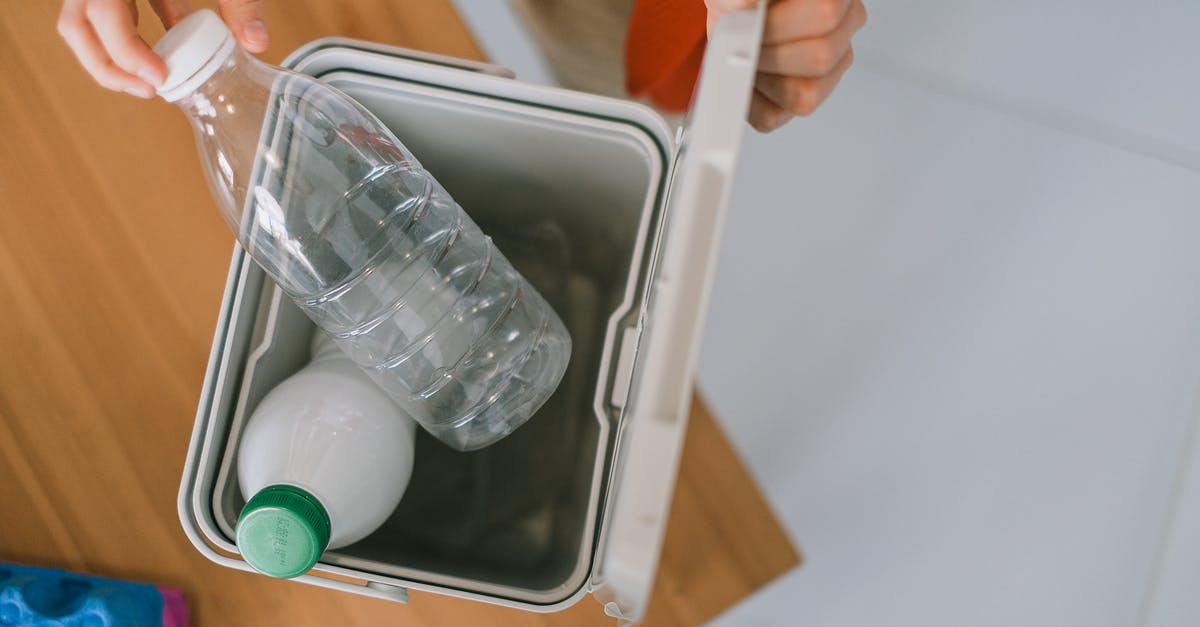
(103, 35)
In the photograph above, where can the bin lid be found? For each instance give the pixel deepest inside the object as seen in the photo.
(651, 435)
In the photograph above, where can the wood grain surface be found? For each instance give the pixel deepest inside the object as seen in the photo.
(112, 263)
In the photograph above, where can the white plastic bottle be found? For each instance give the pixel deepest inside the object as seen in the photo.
(323, 461)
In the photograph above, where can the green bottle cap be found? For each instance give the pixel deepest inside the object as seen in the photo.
(282, 531)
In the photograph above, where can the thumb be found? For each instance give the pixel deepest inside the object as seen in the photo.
(245, 19)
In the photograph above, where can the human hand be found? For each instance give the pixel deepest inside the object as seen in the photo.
(805, 51)
(103, 35)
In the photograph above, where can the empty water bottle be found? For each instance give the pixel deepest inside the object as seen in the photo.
(339, 213)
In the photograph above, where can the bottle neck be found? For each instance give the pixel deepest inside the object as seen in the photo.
(237, 90)
(228, 113)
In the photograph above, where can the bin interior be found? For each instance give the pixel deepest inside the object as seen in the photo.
(572, 200)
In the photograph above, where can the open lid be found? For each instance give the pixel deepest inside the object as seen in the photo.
(651, 436)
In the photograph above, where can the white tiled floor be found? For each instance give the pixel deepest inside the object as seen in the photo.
(969, 386)
(955, 329)
(1121, 70)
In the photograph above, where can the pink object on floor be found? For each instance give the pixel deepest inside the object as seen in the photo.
(175, 609)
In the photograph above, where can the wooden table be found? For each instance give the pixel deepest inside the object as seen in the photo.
(112, 263)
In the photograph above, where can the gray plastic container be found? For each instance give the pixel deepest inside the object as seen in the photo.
(597, 204)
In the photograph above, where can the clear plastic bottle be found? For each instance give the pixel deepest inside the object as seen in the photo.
(338, 212)
(323, 461)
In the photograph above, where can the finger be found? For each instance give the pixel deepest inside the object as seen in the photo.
(766, 116)
(81, 38)
(171, 11)
(813, 57)
(113, 21)
(799, 94)
(801, 19)
(245, 19)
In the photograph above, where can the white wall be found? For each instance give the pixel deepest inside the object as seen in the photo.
(956, 324)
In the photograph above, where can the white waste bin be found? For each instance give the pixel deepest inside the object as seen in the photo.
(615, 219)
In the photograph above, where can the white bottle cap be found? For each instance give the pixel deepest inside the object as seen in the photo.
(193, 50)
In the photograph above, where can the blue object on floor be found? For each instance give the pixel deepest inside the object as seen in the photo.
(48, 597)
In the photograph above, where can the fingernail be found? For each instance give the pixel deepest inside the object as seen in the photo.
(140, 92)
(150, 76)
(255, 33)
